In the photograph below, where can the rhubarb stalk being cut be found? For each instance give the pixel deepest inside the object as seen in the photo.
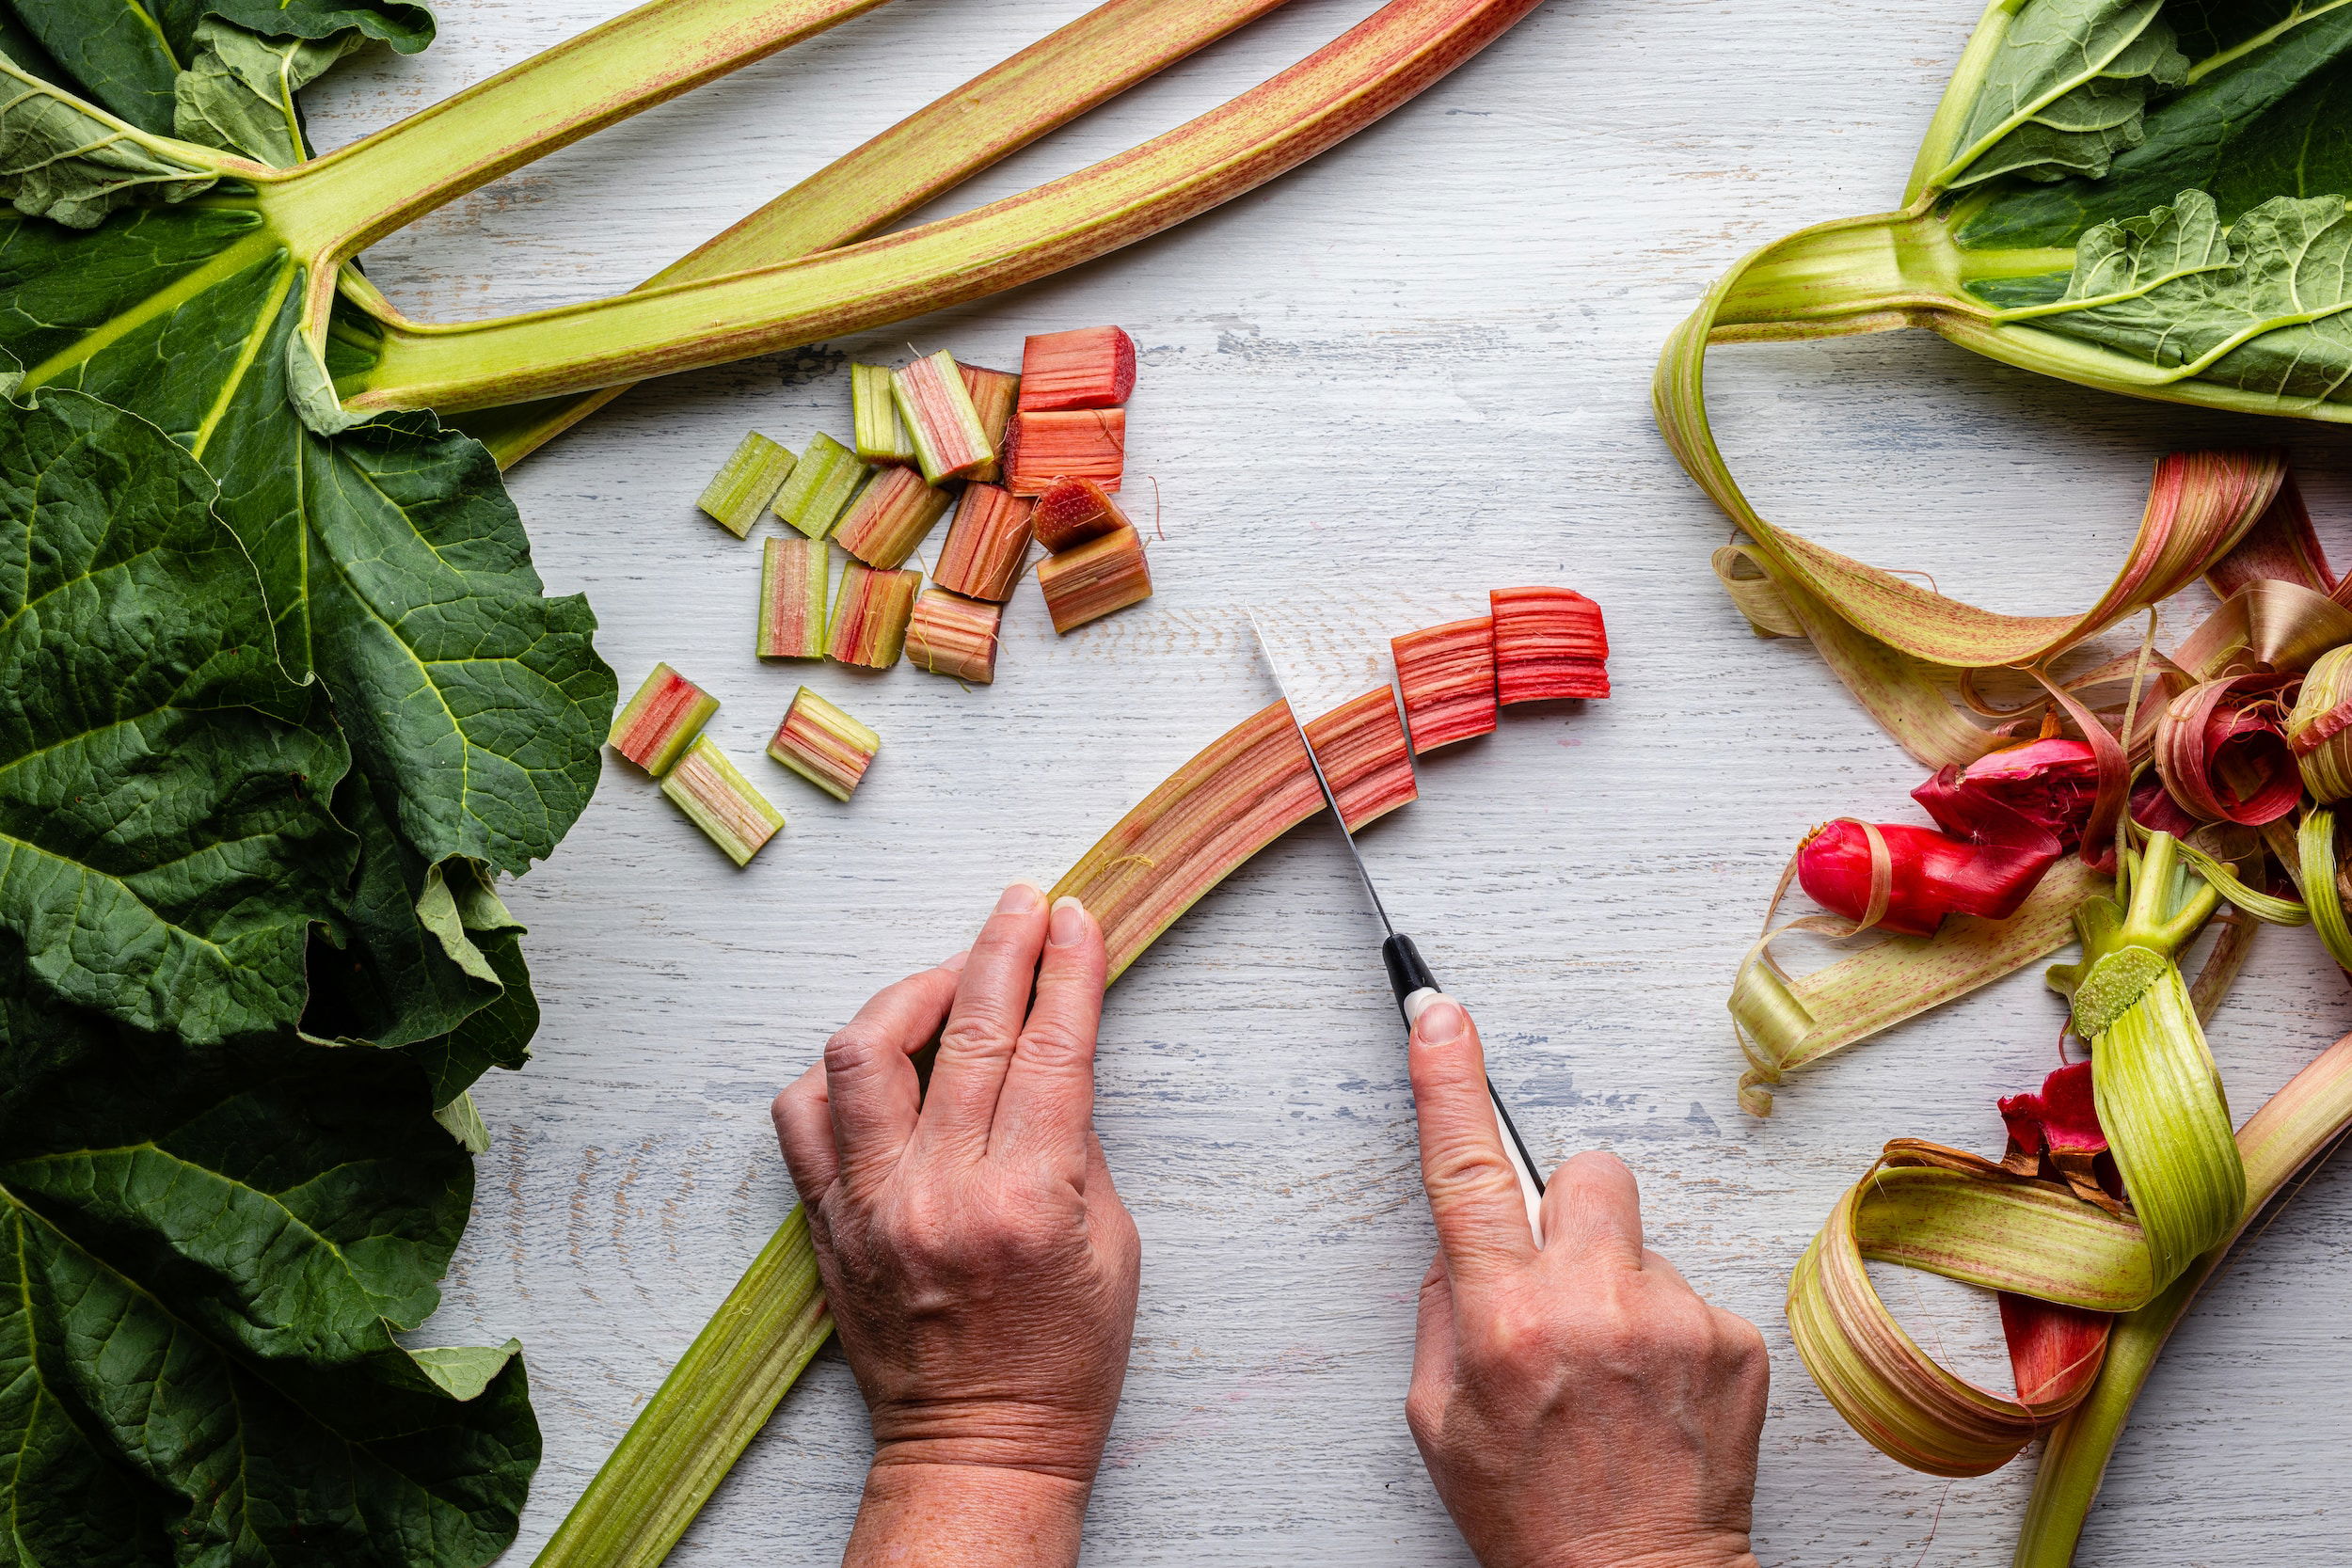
(951, 635)
(824, 744)
(656, 726)
(994, 394)
(1085, 443)
(870, 610)
(950, 442)
(890, 517)
(987, 544)
(1365, 758)
(749, 482)
(1101, 576)
(1548, 643)
(721, 802)
(822, 485)
(793, 581)
(1093, 367)
(1073, 511)
(1447, 676)
(880, 435)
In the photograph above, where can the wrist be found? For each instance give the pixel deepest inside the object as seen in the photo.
(948, 1513)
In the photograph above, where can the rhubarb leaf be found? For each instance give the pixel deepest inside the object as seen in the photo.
(395, 563)
(238, 93)
(164, 848)
(58, 160)
(210, 1250)
(2066, 92)
(2259, 306)
(127, 56)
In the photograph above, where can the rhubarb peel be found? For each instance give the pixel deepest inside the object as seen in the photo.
(2219, 732)
(891, 516)
(1447, 676)
(794, 576)
(951, 634)
(1094, 579)
(987, 544)
(870, 610)
(656, 726)
(2319, 730)
(824, 744)
(750, 481)
(717, 798)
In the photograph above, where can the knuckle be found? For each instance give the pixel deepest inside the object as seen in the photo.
(974, 1034)
(1424, 1411)
(1053, 1044)
(851, 1051)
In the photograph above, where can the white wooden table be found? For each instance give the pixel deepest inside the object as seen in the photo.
(1422, 359)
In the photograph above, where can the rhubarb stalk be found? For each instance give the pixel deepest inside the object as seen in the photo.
(820, 488)
(793, 580)
(1365, 758)
(993, 394)
(880, 434)
(1447, 676)
(870, 610)
(657, 725)
(951, 634)
(749, 482)
(987, 544)
(1093, 367)
(937, 411)
(1548, 643)
(1085, 443)
(890, 517)
(824, 744)
(1095, 578)
(721, 802)
(1073, 511)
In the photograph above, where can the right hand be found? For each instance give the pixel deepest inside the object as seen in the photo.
(1579, 1406)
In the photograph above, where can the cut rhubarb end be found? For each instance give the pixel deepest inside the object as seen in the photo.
(1089, 443)
(870, 610)
(890, 518)
(987, 544)
(1548, 643)
(1447, 675)
(1365, 759)
(1073, 511)
(820, 488)
(722, 801)
(1100, 576)
(661, 721)
(937, 411)
(1093, 367)
(882, 437)
(993, 395)
(951, 635)
(792, 585)
(748, 482)
(824, 744)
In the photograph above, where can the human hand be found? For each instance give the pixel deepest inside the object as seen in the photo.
(980, 1266)
(1579, 1406)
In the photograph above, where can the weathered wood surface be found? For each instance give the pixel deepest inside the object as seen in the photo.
(1422, 360)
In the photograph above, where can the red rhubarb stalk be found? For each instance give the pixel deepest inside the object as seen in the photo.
(824, 744)
(951, 635)
(870, 610)
(1073, 511)
(1548, 643)
(793, 581)
(890, 517)
(987, 544)
(1447, 676)
(993, 395)
(1095, 578)
(1365, 759)
(1093, 367)
(656, 726)
(1079, 443)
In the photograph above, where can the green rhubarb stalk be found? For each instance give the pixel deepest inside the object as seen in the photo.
(1337, 91)
(710, 1406)
(749, 482)
(880, 434)
(820, 488)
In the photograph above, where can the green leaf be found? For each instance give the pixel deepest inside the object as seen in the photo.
(210, 1251)
(2259, 306)
(395, 563)
(238, 93)
(2066, 92)
(163, 849)
(58, 160)
(126, 56)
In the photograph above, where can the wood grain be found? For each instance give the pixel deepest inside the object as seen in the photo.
(1415, 368)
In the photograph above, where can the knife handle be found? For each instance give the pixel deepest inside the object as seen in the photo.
(1416, 987)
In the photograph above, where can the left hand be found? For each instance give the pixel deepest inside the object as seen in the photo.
(978, 1263)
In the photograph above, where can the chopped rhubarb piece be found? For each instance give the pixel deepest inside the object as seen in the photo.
(951, 635)
(1093, 367)
(722, 801)
(661, 721)
(890, 517)
(828, 475)
(748, 482)
(792, 584)
(880, 435)
(1361, 746)
(1073, 511)
(1548, 643)
(1098, 577)
(993, 393)
(1089, 443)
(824, 744)
(949, 442)
(987, 544)
(870, 610)
(1447, 675)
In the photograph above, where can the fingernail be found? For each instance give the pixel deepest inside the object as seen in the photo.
(1441, 1023)
(955, 965)
(1068, 927)
(1021, 898)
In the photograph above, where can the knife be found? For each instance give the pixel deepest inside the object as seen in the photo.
(1409, 975)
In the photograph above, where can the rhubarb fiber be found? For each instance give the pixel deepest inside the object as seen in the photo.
(721, 802)
(657, 725)
(951, 634)
(824, 744)
(1095, 578)
(987, 544)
